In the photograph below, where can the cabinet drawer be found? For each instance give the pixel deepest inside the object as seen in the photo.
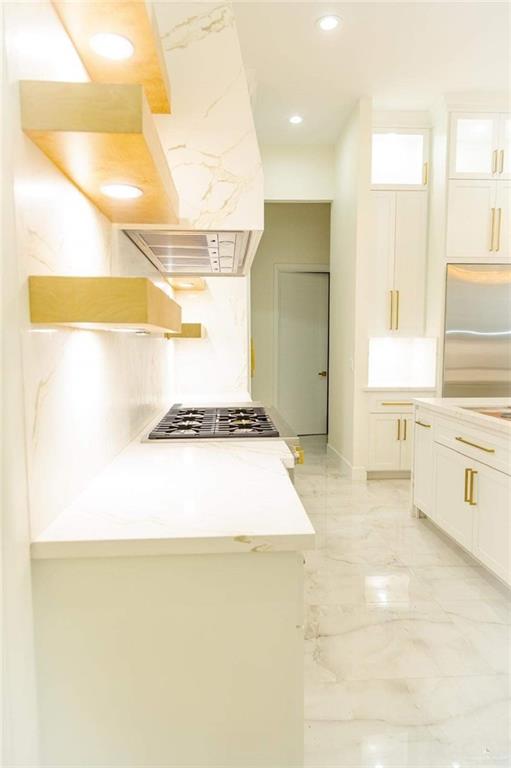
(424, 418)
(390, 404)
(493, 450)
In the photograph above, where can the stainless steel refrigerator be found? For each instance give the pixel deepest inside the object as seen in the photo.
(477, 341)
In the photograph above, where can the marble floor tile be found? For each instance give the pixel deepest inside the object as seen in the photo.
(408, 639)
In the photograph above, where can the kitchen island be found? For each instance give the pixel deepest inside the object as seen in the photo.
(168, 604)
(462, 474)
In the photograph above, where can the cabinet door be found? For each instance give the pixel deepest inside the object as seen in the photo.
(505, 147)
(450, 510)
(407, 434)
(383, 225)
(491, 496)
(469, 219)
(502, 244)
(384, 442)
(410, 262)
(474, 144)
(423, 466)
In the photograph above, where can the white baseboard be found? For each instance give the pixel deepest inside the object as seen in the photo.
(358, 474)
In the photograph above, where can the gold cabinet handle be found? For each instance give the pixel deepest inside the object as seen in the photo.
(404, 427)
(501, 161)
(492, 228)
(397, 402)
(299, 454)
(494, 161)
(252, 359)
(423, 424)
(399, 429)
(391, 318)
(466, 496)
(475, 445)
(471, 500)
(397, 310)
(497, 229)
(323, 373)
(425, 173)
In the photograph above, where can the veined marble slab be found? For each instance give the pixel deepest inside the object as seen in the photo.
(208, 497)
(459, 408)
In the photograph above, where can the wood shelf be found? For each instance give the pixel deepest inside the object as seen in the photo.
(103, 302)
(131, 19)
(187, 283)
(102, 134)
(188, 331)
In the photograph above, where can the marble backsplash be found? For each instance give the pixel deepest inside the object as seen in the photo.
(87, 393)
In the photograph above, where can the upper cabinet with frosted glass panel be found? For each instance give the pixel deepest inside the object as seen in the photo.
(480, 146)
(400, 158)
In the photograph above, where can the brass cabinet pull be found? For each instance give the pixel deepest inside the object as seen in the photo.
(501, 161)
(497, 228)
(425, 173)
(391, 319)
(466, 496)
(397, 310)
(471, 500)
(299, 454)
(252, 358)
(494, 161)
(404, 422)
(397, 402)
(492, 228)
(423, 424)
(323, 373)
(475, 445)
(399, 429)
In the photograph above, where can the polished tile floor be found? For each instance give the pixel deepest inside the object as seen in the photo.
(407, 639)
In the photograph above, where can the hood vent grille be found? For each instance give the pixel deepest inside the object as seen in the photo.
(193, 253)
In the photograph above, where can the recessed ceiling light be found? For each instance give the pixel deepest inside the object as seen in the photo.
(112, 46)
(296, 119)
(121, 191)
(327, 23)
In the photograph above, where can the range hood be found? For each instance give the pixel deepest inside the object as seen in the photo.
(211, 147)
(176, 253)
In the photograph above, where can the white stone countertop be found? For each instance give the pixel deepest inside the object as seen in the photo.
(459, 407)
(186, 498)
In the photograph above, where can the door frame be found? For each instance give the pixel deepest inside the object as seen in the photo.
(277, 270)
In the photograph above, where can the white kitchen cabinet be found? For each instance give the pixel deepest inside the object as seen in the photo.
(478, 220)
(390, 442)
(398, 262)
(479, 146)
(451, 510)
(491, 500)
(423, 463)
(399, 158)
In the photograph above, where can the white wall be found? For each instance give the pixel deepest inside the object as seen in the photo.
(348, 288)
(302, 172)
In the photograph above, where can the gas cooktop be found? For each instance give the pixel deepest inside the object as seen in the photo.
(219, 422)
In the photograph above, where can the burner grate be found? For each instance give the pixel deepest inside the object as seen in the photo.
(188, 423)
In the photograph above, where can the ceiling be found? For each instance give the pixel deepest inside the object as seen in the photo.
(404, 55)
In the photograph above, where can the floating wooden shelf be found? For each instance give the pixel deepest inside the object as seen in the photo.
(187, 283)
(188, 331)
(102, 134)
(131, 19)
(103, 302)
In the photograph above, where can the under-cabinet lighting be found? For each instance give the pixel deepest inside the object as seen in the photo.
(296, 119)
(328, 23)
(122, 191)
(112, 46)
(186, 285)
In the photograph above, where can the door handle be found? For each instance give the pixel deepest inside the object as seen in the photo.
(404, 423)
(492, 229)
(397, 310)
(323, 373)
(494, 161)
(471, 499)
(499, 219)
(501, 161)
(399, 429)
